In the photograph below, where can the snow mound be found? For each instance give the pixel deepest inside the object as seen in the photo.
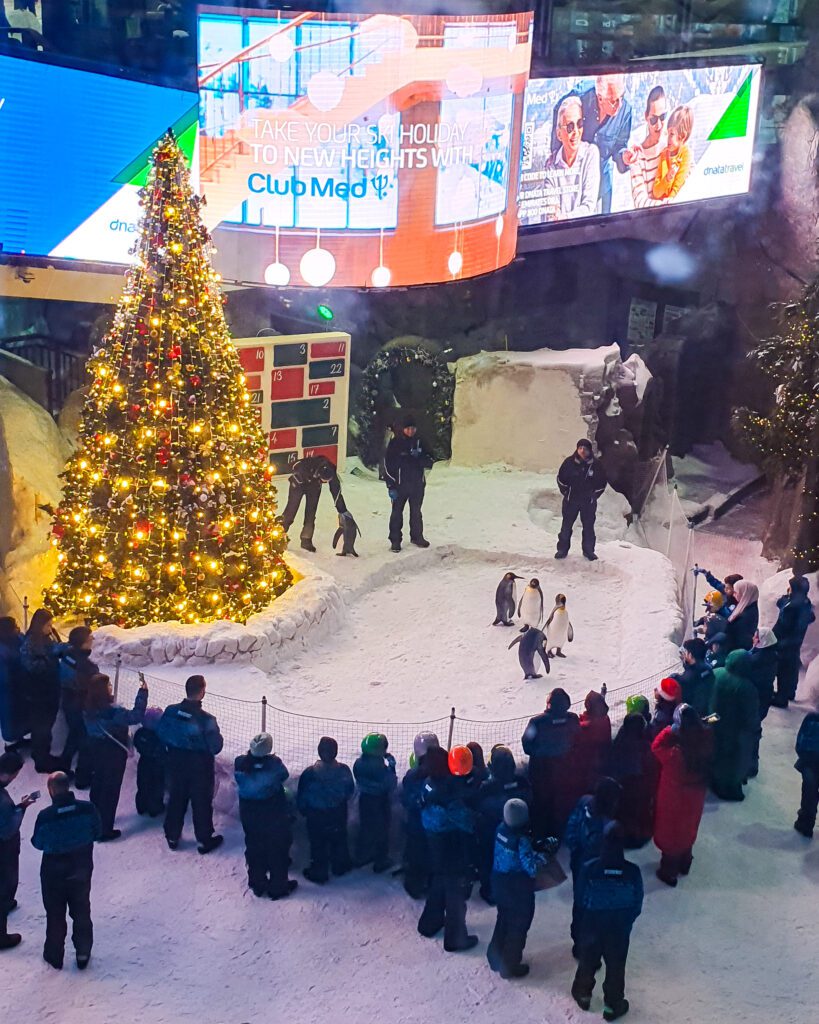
(313, 607)
(527, 409)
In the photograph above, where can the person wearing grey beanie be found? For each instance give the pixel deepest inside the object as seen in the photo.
(266, 818)
(513, 889)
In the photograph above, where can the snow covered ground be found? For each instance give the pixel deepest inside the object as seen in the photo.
(179, 938)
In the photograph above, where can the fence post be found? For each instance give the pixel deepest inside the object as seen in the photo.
(116, 676)
(264, 714)
(25, 614)
(451, 728)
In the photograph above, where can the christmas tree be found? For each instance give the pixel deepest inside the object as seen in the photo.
(786, 437)
(168, 508)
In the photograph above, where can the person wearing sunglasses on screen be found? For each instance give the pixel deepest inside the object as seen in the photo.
(645, 147)
(571, 177)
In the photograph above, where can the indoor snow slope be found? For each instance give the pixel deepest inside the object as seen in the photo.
(179, 938)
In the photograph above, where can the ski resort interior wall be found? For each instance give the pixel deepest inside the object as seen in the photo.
(527, 409)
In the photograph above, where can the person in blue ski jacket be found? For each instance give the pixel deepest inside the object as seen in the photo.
(374, 773)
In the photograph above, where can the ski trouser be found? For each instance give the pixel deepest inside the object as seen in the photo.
(190, 778)
(66, 887)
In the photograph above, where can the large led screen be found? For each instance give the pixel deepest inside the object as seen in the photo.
(366, 150)
(612, 143)
(75, 154)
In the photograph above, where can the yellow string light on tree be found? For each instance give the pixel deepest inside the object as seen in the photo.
(168, 507)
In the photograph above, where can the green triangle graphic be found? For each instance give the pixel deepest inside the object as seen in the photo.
(734, 122)
(184, 128)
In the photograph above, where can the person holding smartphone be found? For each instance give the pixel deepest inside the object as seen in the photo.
(11, 818)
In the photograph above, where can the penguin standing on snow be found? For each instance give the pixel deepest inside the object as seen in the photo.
(505, 600)
(560, 628)
(532, 641)
(530, 609)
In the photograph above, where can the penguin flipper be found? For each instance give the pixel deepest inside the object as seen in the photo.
(517, 640)
(337, 536)
(571, 633)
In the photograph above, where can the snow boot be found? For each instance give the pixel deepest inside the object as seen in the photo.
(668, 879)
(616, 1012)
(803, 828)
(106, 837)
(560, 554)
(53, 962)
(590, 557)
(395, 547)
(292, 885)
(173, 844)
(518, 971)
(210, 845)
(10, 940)
(312, 875)
(82, 960)
(468, 943)
(421, 542)
(582, 1000)
(307, 545)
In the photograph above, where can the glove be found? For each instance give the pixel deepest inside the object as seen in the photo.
(393, 493)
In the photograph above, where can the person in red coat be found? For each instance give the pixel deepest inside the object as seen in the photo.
(684, 750)
(593, 742)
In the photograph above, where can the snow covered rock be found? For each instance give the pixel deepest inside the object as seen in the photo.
(33, 453)
(528, 409)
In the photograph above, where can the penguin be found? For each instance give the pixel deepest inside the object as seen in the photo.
(505, 600)
(530, 608)
(560, 628)
(532, 641)
(348, 530)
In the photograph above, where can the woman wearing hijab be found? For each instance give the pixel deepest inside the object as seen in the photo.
(744, 619)
(759, 665)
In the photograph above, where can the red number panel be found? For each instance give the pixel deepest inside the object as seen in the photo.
(329, 452)
(287, 383)
(322, 387)
(251, 359)
(281, 439)
(327, 349)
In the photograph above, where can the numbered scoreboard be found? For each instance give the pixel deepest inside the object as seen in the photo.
(299, 385)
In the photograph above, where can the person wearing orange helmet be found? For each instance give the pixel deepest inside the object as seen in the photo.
(450, 831)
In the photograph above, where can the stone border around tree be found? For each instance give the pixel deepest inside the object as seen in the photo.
(312, 607)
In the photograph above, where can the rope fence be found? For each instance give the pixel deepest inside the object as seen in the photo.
(296, 736)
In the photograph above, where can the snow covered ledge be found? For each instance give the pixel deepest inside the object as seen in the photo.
(313, 605)
(527, 409)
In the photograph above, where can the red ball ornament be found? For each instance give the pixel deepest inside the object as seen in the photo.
(175, 352)
(58, 530)
(196, 380)
(150, 369)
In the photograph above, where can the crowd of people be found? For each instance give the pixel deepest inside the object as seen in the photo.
(466, 819)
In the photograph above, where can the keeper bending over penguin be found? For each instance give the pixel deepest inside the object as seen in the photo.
(505, 600)
(532, 641)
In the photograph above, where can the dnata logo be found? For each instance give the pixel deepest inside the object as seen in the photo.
(331, 187)
(122, 225)
(725, 169)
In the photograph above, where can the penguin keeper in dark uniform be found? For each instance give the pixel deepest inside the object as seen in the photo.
(581, 480)
(305, 482)
(405, 463)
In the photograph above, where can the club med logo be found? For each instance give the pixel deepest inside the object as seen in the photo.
(331, 188)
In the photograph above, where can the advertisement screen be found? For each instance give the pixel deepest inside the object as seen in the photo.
(365, 150)
(75, 154)
(612, 143)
